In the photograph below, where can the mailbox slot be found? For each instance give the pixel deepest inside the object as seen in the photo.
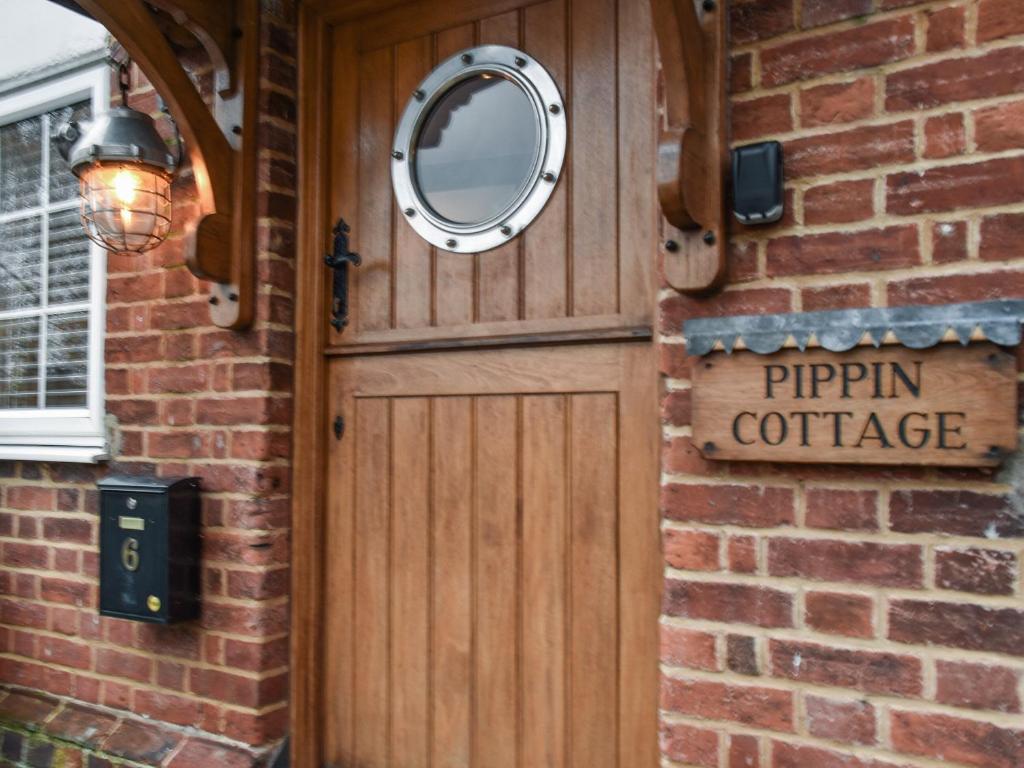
(149, 548)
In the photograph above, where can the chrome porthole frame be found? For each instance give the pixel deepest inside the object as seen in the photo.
(540, 88)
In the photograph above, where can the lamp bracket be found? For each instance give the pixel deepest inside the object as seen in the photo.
(221, 142)
(692, 148)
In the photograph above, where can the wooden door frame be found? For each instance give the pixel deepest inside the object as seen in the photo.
(317, 18)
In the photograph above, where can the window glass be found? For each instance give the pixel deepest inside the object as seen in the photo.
(477, 149)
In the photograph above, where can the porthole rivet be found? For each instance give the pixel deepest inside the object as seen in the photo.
(410, 212)
(451, 242)
(419, 95)
(671, 246)
(398, 155)
(506, 230)
(520, 61)
(709, 237)
(548, 176)
(554, 109)
(467, 59)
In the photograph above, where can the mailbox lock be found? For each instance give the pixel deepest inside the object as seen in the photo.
(153, 603)
(132, 502)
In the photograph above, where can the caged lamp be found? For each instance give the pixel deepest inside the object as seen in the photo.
(125, 173)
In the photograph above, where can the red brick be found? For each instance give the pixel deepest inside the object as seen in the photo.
(680, 456)
(183, 379)
(758, 707)
(946, 29)
(840, 203)
(998, 19)
(751, 20)
(984, 571)
(956, 187)
(677, 408)
(945, 135)
(691, 550)
(977, 686)
(1000, 127)
(955, 288)
(57, 590)
(998, 73)
(870, 671)
(729, 603)
(135, 288)
(143, 742)
(956, 625)
(82, 725)
(799, 756)
(763, 116)
(31, 497)
(115, 663)
(65, 653)
(199, 752)
(890, 565)
(828, 297)
(67, 529)
(955, 740)
(169, 708)
(959, 513)
(748, 301)
(842, 510)
(818, 13)
(871, 250)
(18, 555)
(840, 720)
(1001, 237)
(860, 47)
(838, 614)
(949, 242)
(753, 506)
(742, 266)
(741, 655)
(854, 149)
(740, 73)
(744, 751)
(686, 744)
(688, 648)
(742, 552)
(178, 445)
(837, 102)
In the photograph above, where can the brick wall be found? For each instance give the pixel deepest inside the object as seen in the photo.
(183, 398)
(827, 617)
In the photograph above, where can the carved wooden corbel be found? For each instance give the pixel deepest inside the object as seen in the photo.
(692, 150)
(221, 143)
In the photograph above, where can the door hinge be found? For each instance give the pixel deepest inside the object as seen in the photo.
(339, 427)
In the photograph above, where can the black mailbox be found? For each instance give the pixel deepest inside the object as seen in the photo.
(149, 548)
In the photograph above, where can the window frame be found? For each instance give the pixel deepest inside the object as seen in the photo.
(65, 434)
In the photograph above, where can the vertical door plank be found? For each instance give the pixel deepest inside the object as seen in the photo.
(339, 542)
(638, 208)
(544, 581)
(455, 273)
(640, 580)
(546, 241)
(497, 578)
(376, 73)
(372, 534)
(594, 158)
(413, 61)
(593, 652)
(410, 573)
(499, 268)
(452, 620)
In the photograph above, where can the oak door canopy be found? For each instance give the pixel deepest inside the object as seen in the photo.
(692, 145)
(221, 143)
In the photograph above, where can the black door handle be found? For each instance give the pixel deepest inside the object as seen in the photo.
(339, 260)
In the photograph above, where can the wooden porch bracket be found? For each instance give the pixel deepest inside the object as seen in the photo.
(221, 143)
(692, 149)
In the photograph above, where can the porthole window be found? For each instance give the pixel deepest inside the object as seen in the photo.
(479, 149)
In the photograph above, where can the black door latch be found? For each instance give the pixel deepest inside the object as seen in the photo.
(339, 260)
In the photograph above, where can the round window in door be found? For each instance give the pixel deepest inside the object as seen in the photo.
(479, 149)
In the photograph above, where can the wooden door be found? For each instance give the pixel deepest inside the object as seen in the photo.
(492, 562)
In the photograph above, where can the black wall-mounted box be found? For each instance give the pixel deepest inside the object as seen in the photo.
(149, 548)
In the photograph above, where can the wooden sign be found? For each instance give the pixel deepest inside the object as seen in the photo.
(948, 405)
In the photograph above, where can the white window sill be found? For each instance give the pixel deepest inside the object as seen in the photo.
(55, 453)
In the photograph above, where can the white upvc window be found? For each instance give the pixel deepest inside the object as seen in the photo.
(52, 280)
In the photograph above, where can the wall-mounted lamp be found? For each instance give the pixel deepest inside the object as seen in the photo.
(125, 174)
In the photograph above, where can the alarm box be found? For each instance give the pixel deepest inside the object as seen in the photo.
(149, 548)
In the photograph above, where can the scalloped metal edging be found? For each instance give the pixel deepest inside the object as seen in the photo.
(916, 327)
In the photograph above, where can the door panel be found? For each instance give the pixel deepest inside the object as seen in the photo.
(589, 254)
(491, 607)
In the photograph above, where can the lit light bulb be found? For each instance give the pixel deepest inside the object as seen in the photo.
(125, 185)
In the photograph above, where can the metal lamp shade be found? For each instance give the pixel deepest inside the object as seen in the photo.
(125, 176)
